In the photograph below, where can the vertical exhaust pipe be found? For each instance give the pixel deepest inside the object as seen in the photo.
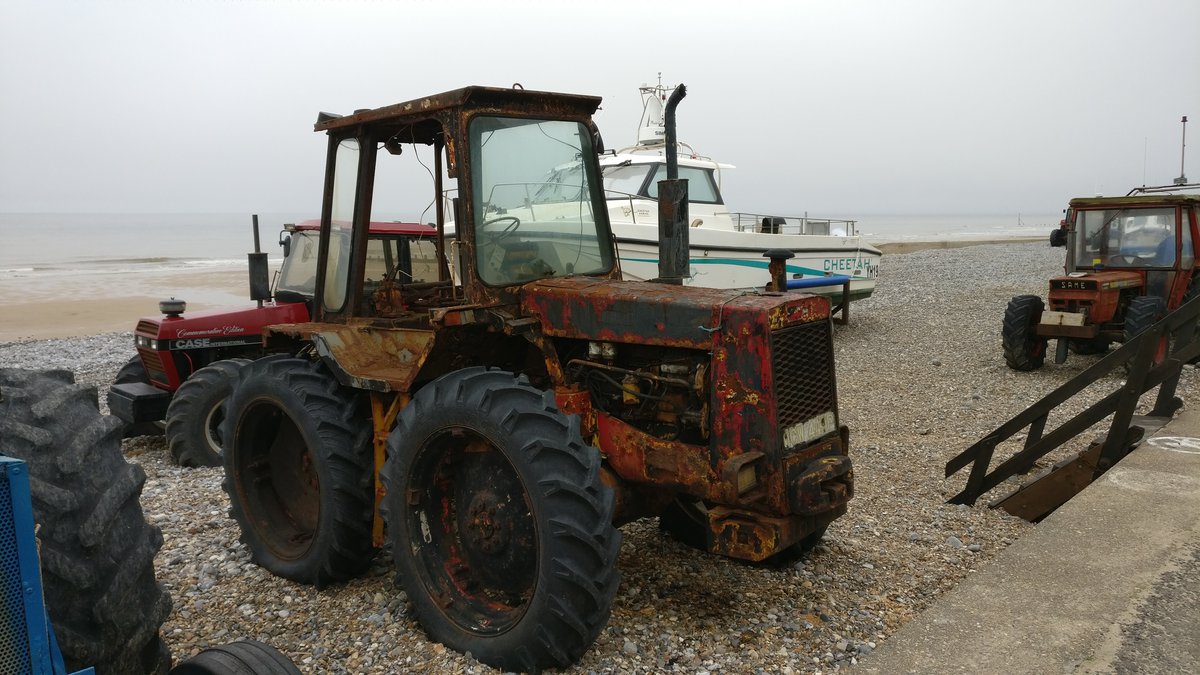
(673, 238)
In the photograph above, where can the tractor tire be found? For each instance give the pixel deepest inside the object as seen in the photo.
(96, 549)
(196, 413)
(1023, 348)
(134, 371)
(299, 471)
(244, 657)
(1141, 313)
(500, 527)
(686, 521)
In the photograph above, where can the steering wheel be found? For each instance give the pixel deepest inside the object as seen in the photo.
(513, 224)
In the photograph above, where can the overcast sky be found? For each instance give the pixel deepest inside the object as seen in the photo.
(833, 107)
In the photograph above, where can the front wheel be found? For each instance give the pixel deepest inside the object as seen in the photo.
(500, 527)
(197, 411)
(1023, 348)
(298, 470)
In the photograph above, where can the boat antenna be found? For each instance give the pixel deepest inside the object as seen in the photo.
(1182, 180)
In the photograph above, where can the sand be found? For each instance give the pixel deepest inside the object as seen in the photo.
(83, 305)
(86, 305)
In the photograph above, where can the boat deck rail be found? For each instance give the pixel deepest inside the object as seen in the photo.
(757, 222)
(752, 222)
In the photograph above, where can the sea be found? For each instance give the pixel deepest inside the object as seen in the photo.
(39, 249)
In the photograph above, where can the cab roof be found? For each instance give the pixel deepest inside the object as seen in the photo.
(1136, 200)
(492, 99)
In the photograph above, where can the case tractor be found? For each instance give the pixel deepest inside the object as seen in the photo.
(1130, 260)
(186, 363)
(494, 426)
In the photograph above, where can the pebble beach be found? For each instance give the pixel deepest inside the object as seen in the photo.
(920, 378)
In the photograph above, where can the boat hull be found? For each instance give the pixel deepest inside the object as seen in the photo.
(723, 259)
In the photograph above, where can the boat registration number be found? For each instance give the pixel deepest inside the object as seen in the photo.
(803, 432)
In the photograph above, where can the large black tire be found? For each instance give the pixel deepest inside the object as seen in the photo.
(1141, 313)
(1023, 348)
(97, 551)
(500, 527)
(133, 371)
(197, 411)
(244, 657)
(299, 471)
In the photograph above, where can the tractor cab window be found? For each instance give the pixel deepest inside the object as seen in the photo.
(1125, 238)
(534, 207)
(298, 273)
(341, 226)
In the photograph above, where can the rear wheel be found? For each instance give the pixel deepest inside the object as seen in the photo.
(1023, 348)
(500, 526)
(298, 471)
(1141, 313)
(197, 411)
(95, 546)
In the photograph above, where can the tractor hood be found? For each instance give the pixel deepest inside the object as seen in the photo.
(225, 327)
(659, 314)
(1103, 280)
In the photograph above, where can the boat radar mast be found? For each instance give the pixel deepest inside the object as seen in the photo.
(1182, 180)
(652, 130)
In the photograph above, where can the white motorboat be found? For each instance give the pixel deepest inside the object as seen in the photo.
(726, 248)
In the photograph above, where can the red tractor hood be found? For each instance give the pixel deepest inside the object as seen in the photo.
(662, 314)
(1103, 280)
(225, 326)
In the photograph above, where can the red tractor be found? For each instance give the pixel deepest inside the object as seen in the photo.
(495, 425)
(186, 364)
(1130, 260)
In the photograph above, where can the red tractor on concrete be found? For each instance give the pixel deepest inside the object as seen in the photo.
(1130, 260)
(496, 424)
(186, 363)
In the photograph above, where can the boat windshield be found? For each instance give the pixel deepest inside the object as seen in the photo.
(641, 180)
(1135, 237)
(533, 201)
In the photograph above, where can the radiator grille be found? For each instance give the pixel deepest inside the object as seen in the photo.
(14, 643)
(152, 360)
(802, 359)
(148, 328)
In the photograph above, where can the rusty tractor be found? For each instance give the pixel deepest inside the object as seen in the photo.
(1130, 260)
(495, 426)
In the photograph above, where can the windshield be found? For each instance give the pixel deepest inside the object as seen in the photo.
(1125, 237)
(403, 258)
(631, 179)
(534, 215)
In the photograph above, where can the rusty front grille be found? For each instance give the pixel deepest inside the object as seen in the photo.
(803, 364)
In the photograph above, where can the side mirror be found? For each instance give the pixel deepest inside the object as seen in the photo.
(597, 142)
(285, 240)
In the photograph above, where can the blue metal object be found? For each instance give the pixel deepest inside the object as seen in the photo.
(814, 282)
(27, 643)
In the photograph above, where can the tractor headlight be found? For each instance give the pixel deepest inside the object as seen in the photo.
(747, 478)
